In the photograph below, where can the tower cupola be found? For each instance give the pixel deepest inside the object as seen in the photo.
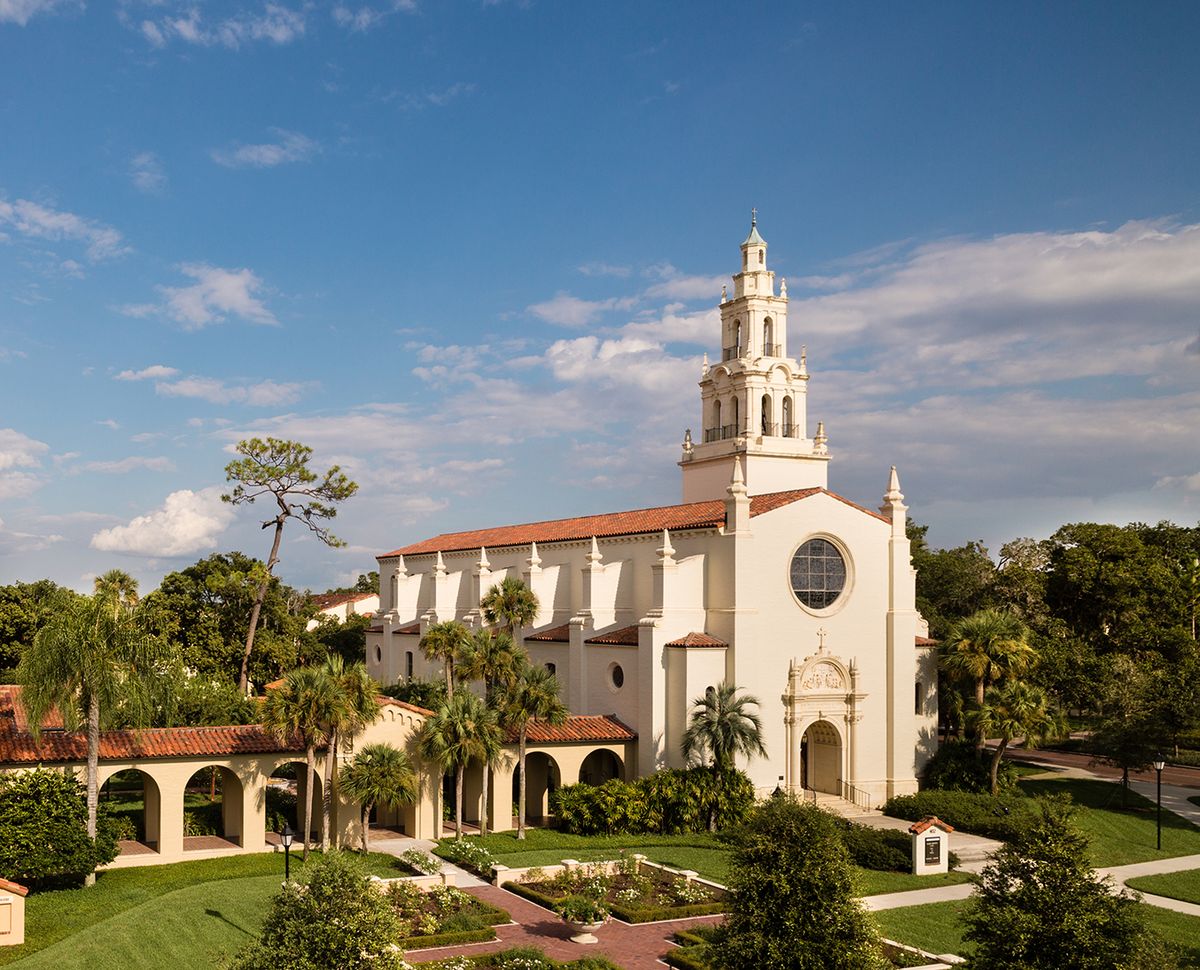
(754, 402)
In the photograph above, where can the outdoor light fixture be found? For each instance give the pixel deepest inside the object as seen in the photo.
(1159, 764)
(778, 792)
(286, 837)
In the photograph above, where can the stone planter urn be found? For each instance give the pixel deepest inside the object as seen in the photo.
(584, 932)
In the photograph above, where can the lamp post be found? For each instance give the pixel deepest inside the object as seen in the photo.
(286, 837)
(1159, 764)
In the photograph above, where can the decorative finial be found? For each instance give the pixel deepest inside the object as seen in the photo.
(737, 483)
(753, 218)
(594, 556)
(400, 570)
(803, 360)
(724, 293)
(483, 559)
(534, 559)
(687, 441)
(783, 287)
(821, 441)
(704, 368)
(439, 567)
(893, 495)
(666, 550)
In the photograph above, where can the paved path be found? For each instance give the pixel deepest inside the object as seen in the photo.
(634, 947)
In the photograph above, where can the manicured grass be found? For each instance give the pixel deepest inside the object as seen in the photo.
(72, 915)
(936, 928)
(1176, 928)
(705, 854)
(1119, 836)
(872, 882)
(1175, 885)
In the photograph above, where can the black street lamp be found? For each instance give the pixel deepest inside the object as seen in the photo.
(286, 837)
(1159, 764)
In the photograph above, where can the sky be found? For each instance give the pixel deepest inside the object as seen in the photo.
(472, 253)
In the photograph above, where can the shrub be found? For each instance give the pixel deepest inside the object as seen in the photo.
(123, 827)
(467, 853)
(957, 767)
(335, 919)
(885, 850)
(581, 908)
(793, 899)
(421, 862)
(670, 802)
(43, 830)
(996, 816)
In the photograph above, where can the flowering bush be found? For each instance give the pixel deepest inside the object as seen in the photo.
(470, 854)
(581, 909)
(690, 892)
(421, 862)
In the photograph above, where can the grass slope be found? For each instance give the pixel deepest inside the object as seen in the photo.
(74, 914)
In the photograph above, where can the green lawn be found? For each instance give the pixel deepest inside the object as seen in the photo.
(1183, 931)
(705, 854)
(935, 928)
(127, 906)
(1176, 885)
(1119, 836)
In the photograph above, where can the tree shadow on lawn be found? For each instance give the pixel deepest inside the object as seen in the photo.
(217, 914)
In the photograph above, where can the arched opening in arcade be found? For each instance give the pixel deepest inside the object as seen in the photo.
(600, 766)
(543, 779)
(212, 809)
(285, 793)
(821, 758)
(132, 799)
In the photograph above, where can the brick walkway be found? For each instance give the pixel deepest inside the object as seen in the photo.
(636, 947)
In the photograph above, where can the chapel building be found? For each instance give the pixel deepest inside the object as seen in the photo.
(762, 577)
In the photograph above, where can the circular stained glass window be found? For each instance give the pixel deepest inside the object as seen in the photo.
(818, 574)
(617, 675)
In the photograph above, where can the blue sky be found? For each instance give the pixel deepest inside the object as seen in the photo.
(472, 251)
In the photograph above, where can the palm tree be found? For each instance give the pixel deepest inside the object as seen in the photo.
(379, 775)
(493, 658)
(510, 604)
(357, 706)
(119, 585)
(451, 739)
(1016, 710)
(446, 642)
(302, 707)
(721, 725)
(532, 696)
(489, 744)
(91, 656)
(986, 647)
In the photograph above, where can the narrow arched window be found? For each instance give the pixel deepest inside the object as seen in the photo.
(394, 591)
(919, 699)
(787, 417)
(408, 664)
(737, 338)
(737, 421)
(552, 668)
(766, 415)
(768, 343)
(716, 425)
(761, 257)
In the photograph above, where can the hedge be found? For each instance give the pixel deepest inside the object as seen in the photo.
(645, 914)
(687, 958)
(995, 816)
(447, 939)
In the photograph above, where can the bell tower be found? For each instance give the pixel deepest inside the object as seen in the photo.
(753, 402)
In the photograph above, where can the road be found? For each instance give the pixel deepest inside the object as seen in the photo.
(1177, 775)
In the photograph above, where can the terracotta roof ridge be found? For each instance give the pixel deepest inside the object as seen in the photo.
(393, 702)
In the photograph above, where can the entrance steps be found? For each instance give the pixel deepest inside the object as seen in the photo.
(841, 806)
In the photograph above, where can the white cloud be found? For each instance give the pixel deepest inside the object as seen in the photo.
(153, 372)
(261, 394)
(17, 452)
(111, 423)
(131, 464)
(41, 222)
(437, 99)
(600, 268)
(186, 523)
(366, 17)
(275, 23)
(216, 294)
(565, 310)
(21, 11)
(147, 173)
(289, 146)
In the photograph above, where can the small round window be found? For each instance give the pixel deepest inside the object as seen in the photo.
(818, 574)
(617, 676)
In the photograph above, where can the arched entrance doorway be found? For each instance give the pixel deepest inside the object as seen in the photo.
(132, 798)
(601, 766)
(286, 790)
(821, 754)
(544, 778)
(212, 808)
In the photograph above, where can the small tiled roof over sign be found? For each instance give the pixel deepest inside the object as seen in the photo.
(697, 640)
(627, 636)
(692, 515)
(928, 822)
(554, 634)
(925, 642)
(13, 887)
(580, 727)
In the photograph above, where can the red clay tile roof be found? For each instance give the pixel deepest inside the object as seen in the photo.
(327, 601)
(581, 727)
(13, 887)
(925, 642)
(627, 636)
(392, 702)
(693, 515)
(697, 640)
(554, 634)
(377, 628)
(58, 746)
(12, 712)
(930, 820)
(409, 629)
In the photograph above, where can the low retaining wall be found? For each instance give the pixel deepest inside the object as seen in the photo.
(444, 878)
(503, 874)
(943, 961)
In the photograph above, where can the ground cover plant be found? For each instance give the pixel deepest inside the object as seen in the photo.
(441, 916)
(633, 893)
(180, 915)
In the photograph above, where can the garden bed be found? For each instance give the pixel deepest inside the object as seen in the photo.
(521, 958)
(634, 890)
(441, 916)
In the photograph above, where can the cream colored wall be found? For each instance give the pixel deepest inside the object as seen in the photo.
(12, 918)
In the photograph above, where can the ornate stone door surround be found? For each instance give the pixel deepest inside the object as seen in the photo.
(822, 687)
